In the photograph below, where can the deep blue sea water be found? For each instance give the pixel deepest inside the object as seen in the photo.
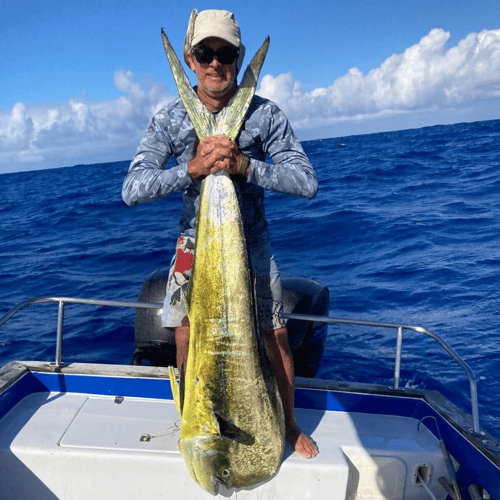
(405, 228)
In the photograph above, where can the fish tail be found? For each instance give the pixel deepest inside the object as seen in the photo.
(230, 119)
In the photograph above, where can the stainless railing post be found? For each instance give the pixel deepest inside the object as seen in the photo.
(475, 407)
(397, 363)
(60, 331)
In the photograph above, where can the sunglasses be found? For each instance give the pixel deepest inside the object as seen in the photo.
(225, 55)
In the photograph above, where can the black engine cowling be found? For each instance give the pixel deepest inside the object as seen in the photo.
(307, 338)
(153, 342)
(156, 344)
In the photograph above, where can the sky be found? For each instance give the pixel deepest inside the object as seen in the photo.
(80, 81)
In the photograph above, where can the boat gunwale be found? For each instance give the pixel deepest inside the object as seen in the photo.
(14, 370)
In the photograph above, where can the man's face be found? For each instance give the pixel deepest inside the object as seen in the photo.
(214, 78)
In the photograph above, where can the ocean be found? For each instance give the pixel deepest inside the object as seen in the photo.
(405, 228)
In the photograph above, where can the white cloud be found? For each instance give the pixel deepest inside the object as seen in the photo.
(426, 77)
(18, 130)
(78, 131)
(426, 84)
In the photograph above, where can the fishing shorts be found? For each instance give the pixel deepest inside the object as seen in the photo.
(265, 277)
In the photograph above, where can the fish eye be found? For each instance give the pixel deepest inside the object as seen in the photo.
(225, 473)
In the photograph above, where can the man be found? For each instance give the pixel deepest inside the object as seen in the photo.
(213, 50)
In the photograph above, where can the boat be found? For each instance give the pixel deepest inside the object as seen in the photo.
(103, 431)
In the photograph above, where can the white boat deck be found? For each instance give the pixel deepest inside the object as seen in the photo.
(77, 446)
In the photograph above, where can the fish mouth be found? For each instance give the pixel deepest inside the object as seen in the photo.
(217, 481)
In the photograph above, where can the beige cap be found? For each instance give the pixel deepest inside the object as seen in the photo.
(217, 23)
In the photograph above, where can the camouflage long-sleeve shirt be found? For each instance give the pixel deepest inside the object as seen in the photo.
(266, 133)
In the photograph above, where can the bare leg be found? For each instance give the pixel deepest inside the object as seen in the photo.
(280, 356)
(182, 342)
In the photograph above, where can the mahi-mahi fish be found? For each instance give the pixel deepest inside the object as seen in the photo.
(232, 420)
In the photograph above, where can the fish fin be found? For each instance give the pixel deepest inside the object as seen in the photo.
(203, 121)
(229, 430)
(182, 387)
(230, 119)
(175, 388)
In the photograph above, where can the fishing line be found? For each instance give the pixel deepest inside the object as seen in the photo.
(424, 484)
(146, 438)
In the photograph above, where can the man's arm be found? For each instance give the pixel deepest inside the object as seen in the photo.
(292, 171)
(147, 178)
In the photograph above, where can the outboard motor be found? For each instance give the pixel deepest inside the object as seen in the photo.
(306, 338)
(153, 342)
(156, 344)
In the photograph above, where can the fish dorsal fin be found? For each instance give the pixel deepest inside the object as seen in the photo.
(182, 388)
(175, 389)
(230, 119)
(178, 390)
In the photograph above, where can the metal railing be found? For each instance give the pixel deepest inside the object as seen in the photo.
(61, 301)
(399, 350)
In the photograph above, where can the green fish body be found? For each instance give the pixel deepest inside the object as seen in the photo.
(232, 419)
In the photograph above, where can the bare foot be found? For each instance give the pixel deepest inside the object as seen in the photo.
(301, 443)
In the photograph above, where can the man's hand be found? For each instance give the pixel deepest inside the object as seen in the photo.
(215, 153)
